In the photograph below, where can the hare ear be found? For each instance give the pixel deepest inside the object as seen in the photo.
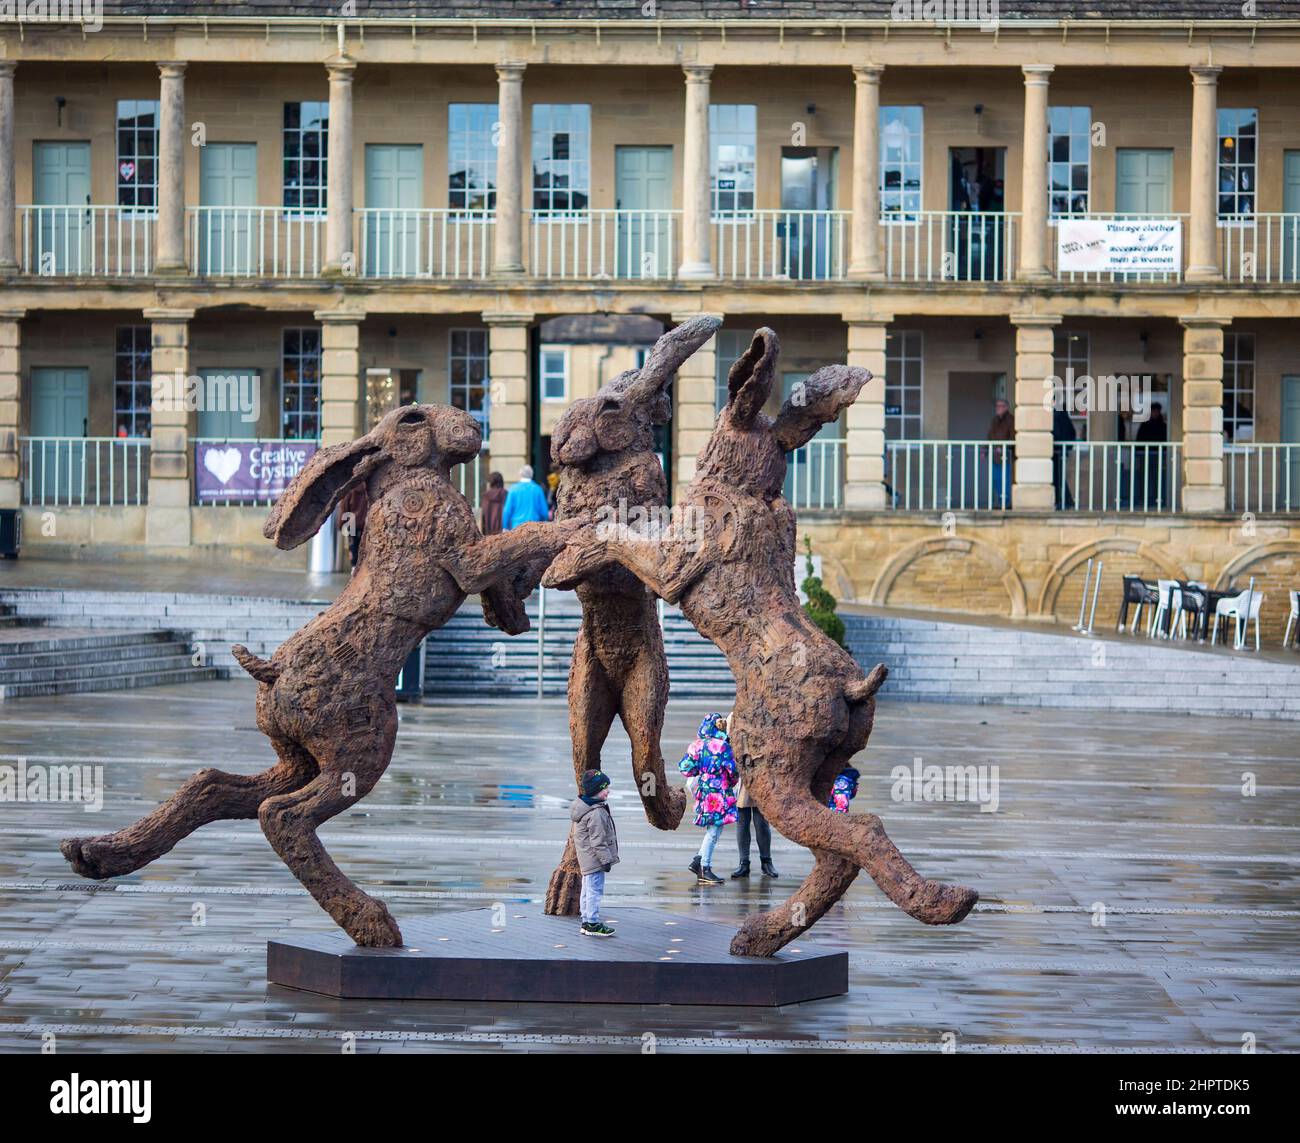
(750, 379)
(313, 493)
(820, 399)
(670, 352)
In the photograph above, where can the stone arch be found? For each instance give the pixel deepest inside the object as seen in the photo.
(1090, 548)
(1275, 567)
(1253, 555)
(965, 545)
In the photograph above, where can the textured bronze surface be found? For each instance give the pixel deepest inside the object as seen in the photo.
(326, 698)
(803, 705)
(603, 448)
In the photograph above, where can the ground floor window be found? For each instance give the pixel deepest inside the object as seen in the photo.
(555, 374)
(132, 377)
(300, 384)
(467, 370)
(731, 344)
(1238, 387)
(904, 372)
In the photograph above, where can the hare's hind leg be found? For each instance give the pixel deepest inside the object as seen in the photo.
(349, 770)
(208, 796)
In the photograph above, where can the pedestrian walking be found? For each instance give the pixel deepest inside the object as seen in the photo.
(710, 763)
(844, 790)
(525, 502)
(596, 844)
(749, 816)
(494, 499)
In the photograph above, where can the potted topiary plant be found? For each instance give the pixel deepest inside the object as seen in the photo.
(821, 603)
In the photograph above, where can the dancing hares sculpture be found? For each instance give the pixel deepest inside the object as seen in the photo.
(326, 696)
(603, 446)
(803, 706)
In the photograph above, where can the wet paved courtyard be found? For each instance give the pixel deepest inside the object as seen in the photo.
(1135, 895)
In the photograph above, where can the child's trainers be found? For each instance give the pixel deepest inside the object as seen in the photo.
(596, 929)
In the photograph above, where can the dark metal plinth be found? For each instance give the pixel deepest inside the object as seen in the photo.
(657, 958)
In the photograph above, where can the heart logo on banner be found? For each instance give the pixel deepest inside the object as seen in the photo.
(223, 463)
(127, 171)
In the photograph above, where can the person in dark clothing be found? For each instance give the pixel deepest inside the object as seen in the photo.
(1062, 433)
(353, 508)
(1153, 431)
(1001, 428)
(494, 498)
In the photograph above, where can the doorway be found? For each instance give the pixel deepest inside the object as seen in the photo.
(228, 189)
(977, 197)
(60, 409)
(1144, 181)
(807, 227)
(61, 186)
(394, 195)
(1290, 260)
(1291, 436)
(643, 189)
(221, 417)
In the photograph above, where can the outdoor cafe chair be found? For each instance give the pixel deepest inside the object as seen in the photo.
(1235, 608)
(1171, 601)
(1136, 591)
(1193, 603)
(1293, 620)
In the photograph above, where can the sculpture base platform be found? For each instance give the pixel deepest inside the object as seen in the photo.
(656, 958)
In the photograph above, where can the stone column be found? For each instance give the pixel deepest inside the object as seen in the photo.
(695, 405)
(1033, 183)
(864, 249)
(341, 399)
(508, 258)
(167, 521)
(339, 255)
(10, 387)
(1031, 486)
(1203, 235)
(170, 240)
(697, 205)
(509, 391)
(8, 203)
(864, 465)
(1203, 489)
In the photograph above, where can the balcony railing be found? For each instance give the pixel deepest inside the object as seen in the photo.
(1262, 477)
(255, 242)
(424, 243)
(814, 474)
(1262, 249)
(948, 476)
(623, 244)
(1113, 275)
(1117, 476)
(949, 246)
(781, 245)
(94, 472)
(86, 241)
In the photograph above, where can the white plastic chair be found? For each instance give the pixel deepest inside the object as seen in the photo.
(1234, 607)
(1171, 599)
(1293, 620)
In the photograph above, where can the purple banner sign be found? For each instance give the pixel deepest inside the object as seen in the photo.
(247, 472)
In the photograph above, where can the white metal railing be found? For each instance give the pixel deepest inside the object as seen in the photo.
(424, 243)
(255, 242)
(1081, 276)
(1117, 476)
(1262, 477)
(785, 245)
(814, 474)
(1261, 248)
(98, 472)
(941, 475)
(86, 241)
(950, 246)
(623, 244)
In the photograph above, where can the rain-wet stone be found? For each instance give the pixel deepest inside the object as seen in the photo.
(656, 958)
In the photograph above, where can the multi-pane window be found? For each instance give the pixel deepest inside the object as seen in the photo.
(137, 153)
(733, 130)
(132, 381)
(306, 147)
(472, 156)
(300, 384)
(1071, 353)
(731, 344)
(1238, 386)
(904, 377)
(555, 374)
(902, 132)
(1238, 136)
(561, 156)
(1069, 159)
(467, 372)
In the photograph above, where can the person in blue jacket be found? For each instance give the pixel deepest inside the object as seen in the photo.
(525, 502)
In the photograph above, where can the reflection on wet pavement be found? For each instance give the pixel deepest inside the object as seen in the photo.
(1133, 896)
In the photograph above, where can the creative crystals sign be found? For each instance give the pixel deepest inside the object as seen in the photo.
(254, 472)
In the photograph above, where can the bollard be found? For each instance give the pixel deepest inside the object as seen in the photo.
(541, 637)
(1083, 599)
(1243, 624)
(1096, 591)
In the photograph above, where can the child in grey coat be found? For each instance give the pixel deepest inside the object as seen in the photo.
(596, 844)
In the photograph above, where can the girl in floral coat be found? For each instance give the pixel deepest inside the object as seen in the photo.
(844, 790)
(709, 761)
